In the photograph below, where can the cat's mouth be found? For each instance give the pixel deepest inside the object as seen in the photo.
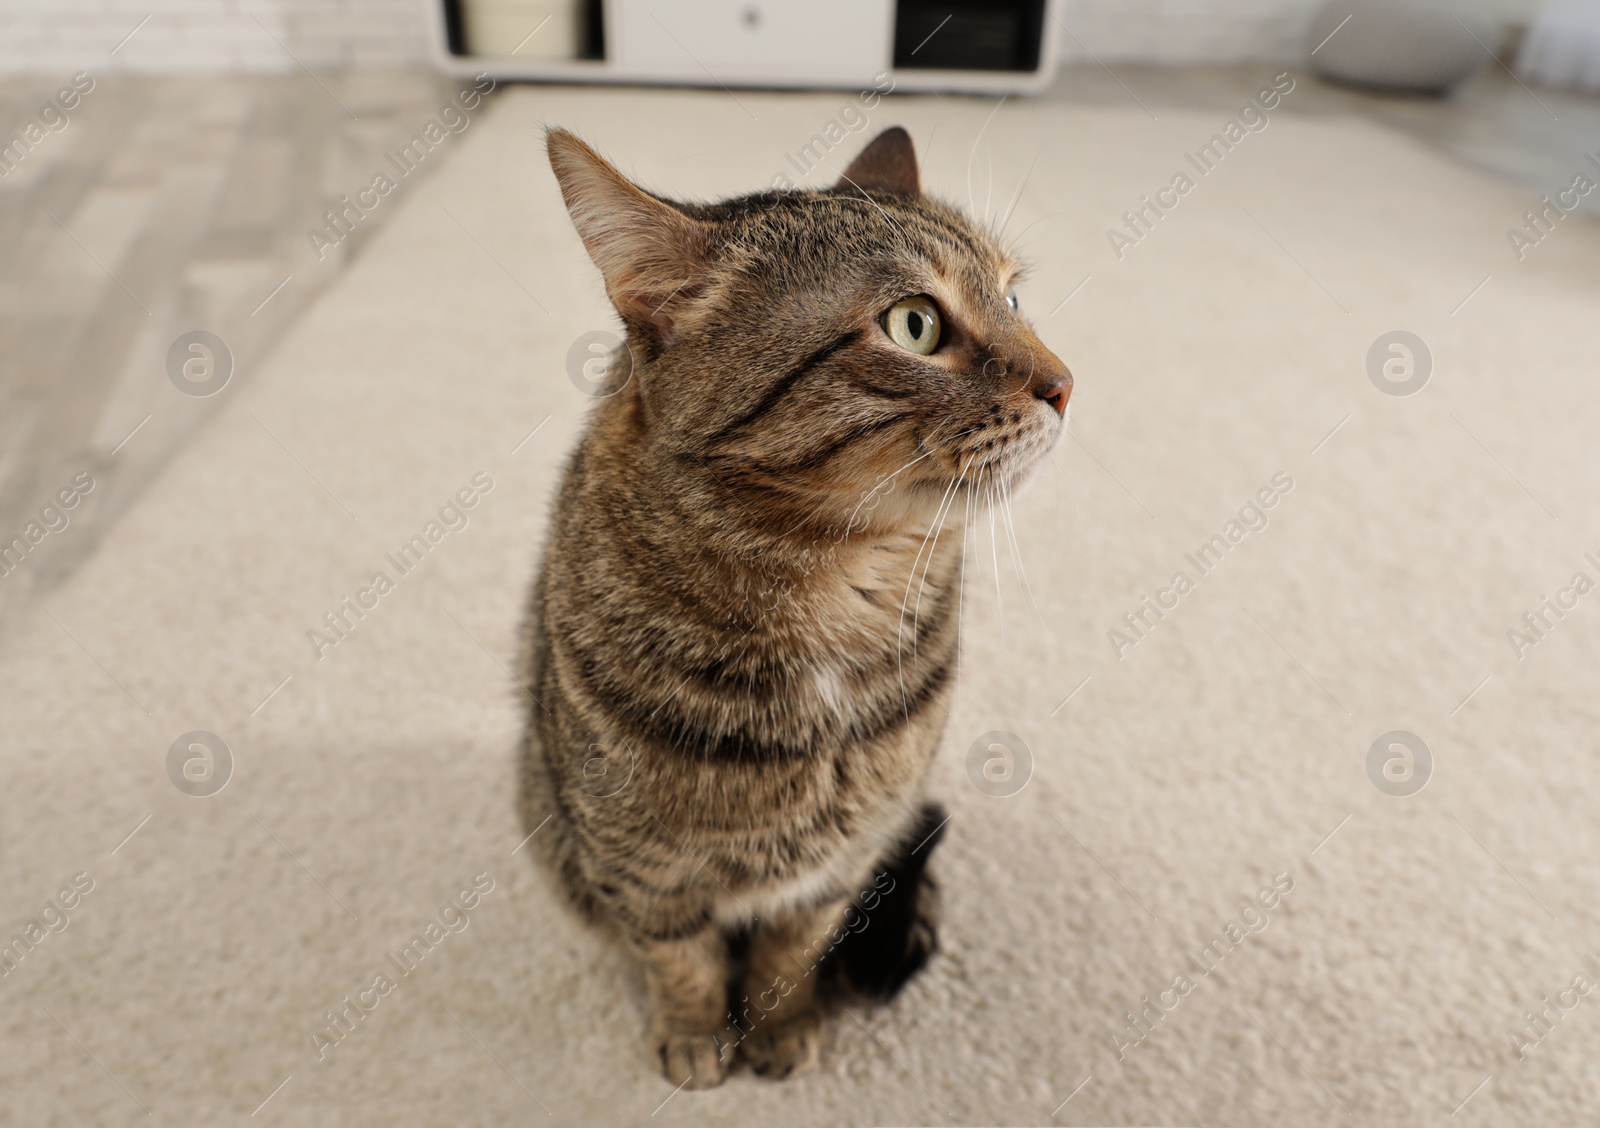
(1003, 451)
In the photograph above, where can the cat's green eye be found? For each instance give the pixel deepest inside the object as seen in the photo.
(913, 324)
(1011, 299)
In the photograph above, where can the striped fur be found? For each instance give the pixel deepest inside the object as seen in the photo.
(743, 635)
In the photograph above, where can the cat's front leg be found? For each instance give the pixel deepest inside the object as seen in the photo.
(784, 1020)
(686, 979)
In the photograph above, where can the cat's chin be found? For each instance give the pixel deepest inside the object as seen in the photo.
(1013, 467)
(1010, 479)
(1003, 476)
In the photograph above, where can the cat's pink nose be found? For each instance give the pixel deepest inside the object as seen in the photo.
(1056, 392)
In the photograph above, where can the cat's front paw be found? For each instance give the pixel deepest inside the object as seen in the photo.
(694, 1061)
(785, 1050)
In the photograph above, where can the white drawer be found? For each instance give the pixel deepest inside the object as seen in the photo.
(747, 40)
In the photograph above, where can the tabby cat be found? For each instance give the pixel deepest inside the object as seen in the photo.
(743, 635)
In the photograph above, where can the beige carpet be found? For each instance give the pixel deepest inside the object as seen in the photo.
(1223, 749)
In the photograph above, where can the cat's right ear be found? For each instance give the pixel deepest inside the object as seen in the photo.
(889, 163)
(648, 252)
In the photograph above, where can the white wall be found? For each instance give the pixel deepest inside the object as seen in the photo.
(57, 37)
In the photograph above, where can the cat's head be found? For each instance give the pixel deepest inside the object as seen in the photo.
(836, 346)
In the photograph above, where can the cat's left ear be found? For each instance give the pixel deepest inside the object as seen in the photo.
(889, 163)
(648, 251)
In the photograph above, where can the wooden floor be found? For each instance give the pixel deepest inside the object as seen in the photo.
(164, 206)
(178, 204)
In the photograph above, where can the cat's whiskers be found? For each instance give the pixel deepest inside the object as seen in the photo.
(961, 583)
(1016, 554)
(916, 611)
(976, 141)
(994, 551)
(1016, 196)
(1016, 245)
(931, 445)
(823, 504)
(900, 627)
(850, 522)
(934, 528)
(989, 193)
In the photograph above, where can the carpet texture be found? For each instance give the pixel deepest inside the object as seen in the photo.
(1214, 758)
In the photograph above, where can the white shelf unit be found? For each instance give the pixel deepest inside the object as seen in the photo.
(726, 71)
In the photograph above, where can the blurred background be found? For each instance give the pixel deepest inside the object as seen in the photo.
(208, 136)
